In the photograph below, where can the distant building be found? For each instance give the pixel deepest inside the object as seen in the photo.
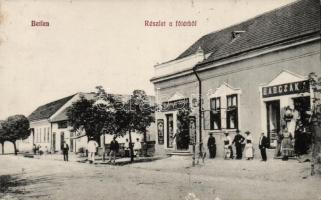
(247, 74)
(50, 127)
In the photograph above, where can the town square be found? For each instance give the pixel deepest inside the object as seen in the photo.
(185, 100)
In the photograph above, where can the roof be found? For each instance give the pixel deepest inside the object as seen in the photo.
(47, 110)
(63, 114)
(291, 21)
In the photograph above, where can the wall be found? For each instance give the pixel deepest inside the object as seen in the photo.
(247, 75)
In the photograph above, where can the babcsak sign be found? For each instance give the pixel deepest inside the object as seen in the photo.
(285, 89)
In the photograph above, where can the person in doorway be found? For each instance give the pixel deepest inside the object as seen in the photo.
(263, 144)
(249, 154)
(126, 148)
(65, 150)
(238, 141)
(137, 147)
(92, 148)
(211, 145)
(286, 145)
(279, 138)
(228, 151)
(114, 148)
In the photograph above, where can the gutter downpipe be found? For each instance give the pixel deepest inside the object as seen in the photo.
(199, 110)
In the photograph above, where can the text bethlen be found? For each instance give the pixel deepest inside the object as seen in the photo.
(39, 23)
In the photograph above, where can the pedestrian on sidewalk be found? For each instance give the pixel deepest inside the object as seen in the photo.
(114, 148)
(137, 147)
(238, 141)
(92, 148)
(211, 145)
(249, 153)
(263, 144)
(65, 149)
(201, 154)
(126, 148)
(228, 151)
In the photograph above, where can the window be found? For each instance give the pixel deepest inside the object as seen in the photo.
(215, 116)
(231, 112)
(48, 135)
(62, 124)
(44, 134)
(39, 134)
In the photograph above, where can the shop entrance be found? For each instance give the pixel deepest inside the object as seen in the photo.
(302, 129)
(182, 135)
(273, 120)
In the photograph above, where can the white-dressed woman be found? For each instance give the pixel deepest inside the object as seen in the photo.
(249, 154)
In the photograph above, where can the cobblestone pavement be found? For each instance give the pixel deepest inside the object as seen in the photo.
(167, 179)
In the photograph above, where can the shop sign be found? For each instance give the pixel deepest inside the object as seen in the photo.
(286, 89)
(160, 131)
(192, 130)
(175, 105)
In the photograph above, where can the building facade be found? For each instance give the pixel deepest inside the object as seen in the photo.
(50, 127)
(246, 75)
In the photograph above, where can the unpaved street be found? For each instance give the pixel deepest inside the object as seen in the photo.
(165, 179)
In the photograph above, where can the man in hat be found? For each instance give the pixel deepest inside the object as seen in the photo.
(263, 144)
(228, 146)
(114, 148)
(238, 141)
(211, 145)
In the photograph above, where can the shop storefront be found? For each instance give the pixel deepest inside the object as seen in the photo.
(286, 103)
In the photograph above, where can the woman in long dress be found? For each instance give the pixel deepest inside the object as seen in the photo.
(286, 145)
(248, 146)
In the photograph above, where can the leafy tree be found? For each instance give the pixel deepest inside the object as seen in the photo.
(94, 116)
(138, 116)
(16, 127)
(315, 83)
(183, 127)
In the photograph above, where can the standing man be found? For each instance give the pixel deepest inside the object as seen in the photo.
(211, 145)
(65, 149)
(238, 141)
(92, 148)
(137, 147)
(263, 144)
(114, 148)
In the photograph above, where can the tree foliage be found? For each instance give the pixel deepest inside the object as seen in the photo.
(94, 116)
(16, 127)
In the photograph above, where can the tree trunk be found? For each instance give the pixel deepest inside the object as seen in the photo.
(131, 147)
(145, 144)
(15, 147)
(2, 145)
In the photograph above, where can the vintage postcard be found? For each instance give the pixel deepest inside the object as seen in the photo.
(162, 100)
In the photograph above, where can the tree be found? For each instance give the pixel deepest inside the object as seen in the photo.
(2, 136)
(16, 127)
(315, 83)
(139, 116)
(86, 115)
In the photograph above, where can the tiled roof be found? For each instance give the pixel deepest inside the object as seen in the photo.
(47, 110)
(63, 114)
(288, 22)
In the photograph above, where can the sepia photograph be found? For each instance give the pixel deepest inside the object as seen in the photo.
(160, 100)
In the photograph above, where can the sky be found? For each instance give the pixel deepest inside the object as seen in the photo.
(95, 42)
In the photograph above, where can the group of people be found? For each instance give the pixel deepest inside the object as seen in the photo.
(241, 143)
(113, 149)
